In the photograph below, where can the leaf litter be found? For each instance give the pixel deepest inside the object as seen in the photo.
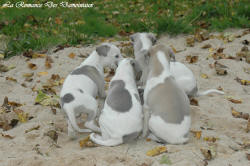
(156, 151)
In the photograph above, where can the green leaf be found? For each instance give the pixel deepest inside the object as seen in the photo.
(165, 160)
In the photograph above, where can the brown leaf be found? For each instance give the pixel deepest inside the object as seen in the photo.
(190, 41)
(14, 104)
(156, 151)
(191, 59)
(248, 156)
(28, 53)
(86, 142)
(193, 101)
(5, 125)
(209, 139)
(28, 74)
(220, 69)
(33, 128)
(242, 82)
(220, 50)
(52, 134)
(3, 68)
(58, 21)
(7, 136)
(72, 55)
(197, 134)
(37, 55)
(206, 46)
(235, 101)
(10, 79)
(206, 153)
(48, 62)
(32, 66)
(248, 125)
(22, 116)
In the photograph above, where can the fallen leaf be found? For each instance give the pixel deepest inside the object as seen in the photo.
(3, 68)
(28, 74)
(47, 100)
(242, 82)
(33, 128)
(32, 66)
(220, 50)
(86, 142)
(165, 160)
(190, 41)
(193, 101)
(22, 116)
(244, 49)
(248, 156)
(197, 134)
(248, 125)
(42, 73)
(237, 114)
(1, 56)
(72, 55)
(28, 53)
(191, 59)
(156, 151)
(52, 134)
(209, 139)
(10, 79)
(37, 55)
(206, 153)
(7, 136)
(220, 69)
(14, 104)
(204, 76)
(235, 101)
(48, 62)
(206, 46)
(58, 21)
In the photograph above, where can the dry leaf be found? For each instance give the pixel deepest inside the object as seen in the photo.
(156, 151)
(220, 69)
(209, 139)
(22, 116)
(237, 114)
(204, 76)
(86, 142)
(32, 66)
(58, 21)
(197, 134)
(190, 41)
(11, 79)
(244, 49)
(3, 68)
(33, 128)
(242, 82)
(235, 101)
(28, 74)
(48, 62)
(72, 55)
(43, 73)
(206, 153)
(165, 160)
(194, 102)
(52, 134)
(206, 46)
(36, 55)
(7, 136)
(248, 125)
(191, 59)
(28, 53)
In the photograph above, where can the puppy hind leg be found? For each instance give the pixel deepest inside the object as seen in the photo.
(145, 121)
(109, 142)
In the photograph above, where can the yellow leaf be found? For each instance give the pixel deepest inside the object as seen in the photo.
(211, 50)
(86, 142)
(197, 134)
(36, 55)
(28, 75)
(209, 139)
(72, 55)
(156, 151)
(204, 76)
(22, 116)
(43, 73)
(235, 101)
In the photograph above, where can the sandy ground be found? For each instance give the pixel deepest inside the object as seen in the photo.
(213, 115)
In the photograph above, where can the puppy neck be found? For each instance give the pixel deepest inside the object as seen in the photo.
(93, 60)
(124, 72)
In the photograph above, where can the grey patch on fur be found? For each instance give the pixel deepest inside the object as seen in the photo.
(169, 102)
(119, 98)
(67, 98)
(83, 109)
(193, 92)
(103, 50)
(137, 97)
(93, 74)
(130, 137)
(80, 90)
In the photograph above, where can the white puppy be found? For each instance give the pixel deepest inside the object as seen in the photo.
(121, 117)
(185, 78)
(166, 105)
(81, 87)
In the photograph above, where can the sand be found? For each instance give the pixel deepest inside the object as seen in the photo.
(213, 115)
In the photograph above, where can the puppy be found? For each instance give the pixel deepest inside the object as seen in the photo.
(166, 105)
(121, 117)
(81, 87)
(185, 78)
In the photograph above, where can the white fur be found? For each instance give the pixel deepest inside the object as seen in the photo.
(182, 74)
(114, 125)
(73, 83)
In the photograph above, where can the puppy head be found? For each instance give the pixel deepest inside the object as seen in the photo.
(161, 47)
(152, 37)
(110, 55)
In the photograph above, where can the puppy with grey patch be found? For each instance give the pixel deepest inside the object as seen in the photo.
(166, 105)
(84, 83)
(121, 117)
(185, 78)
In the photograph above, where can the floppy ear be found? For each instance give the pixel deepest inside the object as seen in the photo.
(152, 37)
(132, 37)
(103, 50)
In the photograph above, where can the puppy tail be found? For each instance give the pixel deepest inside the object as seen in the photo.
(208, 92)
(72, 119)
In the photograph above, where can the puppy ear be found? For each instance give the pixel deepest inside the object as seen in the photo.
(132, 37)
(103, 50)
(152, 37)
